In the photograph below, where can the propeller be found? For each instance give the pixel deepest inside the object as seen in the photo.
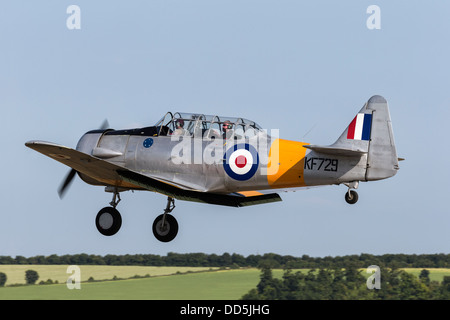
(63, 187)
(105, 125)
(69, 178)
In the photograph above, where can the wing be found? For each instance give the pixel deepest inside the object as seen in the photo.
(110, 174)
(103, 172)
(233, 199)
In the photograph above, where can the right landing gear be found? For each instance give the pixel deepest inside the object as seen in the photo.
(165, 226)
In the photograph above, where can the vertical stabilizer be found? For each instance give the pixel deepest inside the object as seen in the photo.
(370, 132)
(382, 161)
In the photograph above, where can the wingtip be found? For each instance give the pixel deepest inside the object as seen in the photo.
(42, 143)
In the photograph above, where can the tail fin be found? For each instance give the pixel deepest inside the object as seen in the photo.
(371, 132)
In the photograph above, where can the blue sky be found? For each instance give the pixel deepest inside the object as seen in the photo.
(305, 68)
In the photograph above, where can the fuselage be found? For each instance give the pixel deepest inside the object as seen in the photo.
(219, 164)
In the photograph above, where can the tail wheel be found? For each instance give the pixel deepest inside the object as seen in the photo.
(108, 221)
(165, 228)
(351, 197)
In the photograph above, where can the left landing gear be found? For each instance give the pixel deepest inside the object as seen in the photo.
(109, 220)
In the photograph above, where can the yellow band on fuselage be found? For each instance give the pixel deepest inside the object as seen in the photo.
(286, 163)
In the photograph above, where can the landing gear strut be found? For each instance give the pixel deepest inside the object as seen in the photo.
(165, 226)
(108, 220)
(351, 196)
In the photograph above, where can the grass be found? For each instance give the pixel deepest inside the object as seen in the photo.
(165, 283)
(230, 284)
(16, 273)
(436, 274)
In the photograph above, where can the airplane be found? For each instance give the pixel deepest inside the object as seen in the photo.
(223, 161)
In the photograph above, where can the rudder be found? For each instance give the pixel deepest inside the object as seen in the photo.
(382, 160)
(370, 132)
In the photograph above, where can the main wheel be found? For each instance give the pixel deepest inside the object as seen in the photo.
(108, 221)
(351, 197)
(166, 232)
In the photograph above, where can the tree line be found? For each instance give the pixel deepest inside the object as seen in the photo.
(347, 284)
(236, 260)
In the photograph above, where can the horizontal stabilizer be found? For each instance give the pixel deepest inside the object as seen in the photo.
(336, 150)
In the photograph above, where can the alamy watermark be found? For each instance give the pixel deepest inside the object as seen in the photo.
(211, 147)
(73, 22)
(373, 281)
(74, 280)
(374, 20)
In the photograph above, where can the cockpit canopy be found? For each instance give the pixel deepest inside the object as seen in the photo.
(206, 126)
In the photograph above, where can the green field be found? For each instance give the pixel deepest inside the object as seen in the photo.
(436, 274)
(164, 284)
(16, 273)
(229, 284)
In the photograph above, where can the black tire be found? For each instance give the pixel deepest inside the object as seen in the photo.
(169, 232)
(351, 198)
(108, 221)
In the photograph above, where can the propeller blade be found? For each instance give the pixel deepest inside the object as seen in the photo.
(62, 189)
(68, 180)
(105, 125)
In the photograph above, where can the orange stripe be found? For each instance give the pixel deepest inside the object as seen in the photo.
(286, 163)
(250, 193)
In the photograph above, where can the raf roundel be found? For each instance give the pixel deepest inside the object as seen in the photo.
(241, 162)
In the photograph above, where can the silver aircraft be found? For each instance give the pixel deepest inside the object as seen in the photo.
(223, 161)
